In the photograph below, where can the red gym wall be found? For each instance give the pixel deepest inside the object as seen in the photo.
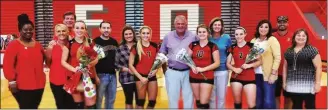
(251, 13)
(9, 12)
(115, 14)
(152, 13)
(297, 20)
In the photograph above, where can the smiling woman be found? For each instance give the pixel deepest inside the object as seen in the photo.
(266, 75)
(23, 66)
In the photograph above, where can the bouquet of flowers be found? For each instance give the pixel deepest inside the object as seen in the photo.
(87, 54)
(253, 54)
(159, 60)
(182, 56)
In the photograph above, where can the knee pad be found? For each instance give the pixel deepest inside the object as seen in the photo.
(151, 103)
(198, 105)
(141, 102)
(91, 107)
(237, 105)
(204, 106)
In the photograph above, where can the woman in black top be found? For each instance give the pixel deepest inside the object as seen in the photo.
(302, 71)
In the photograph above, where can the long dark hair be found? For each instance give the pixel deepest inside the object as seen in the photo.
(298, 32)
(212, 23)
(23, 20)
(257, 32)
(125, 28)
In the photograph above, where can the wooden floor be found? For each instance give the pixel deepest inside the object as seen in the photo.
(7, 100)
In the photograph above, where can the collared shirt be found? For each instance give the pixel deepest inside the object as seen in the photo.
(172, 44)
(122, 60)
(223, 43)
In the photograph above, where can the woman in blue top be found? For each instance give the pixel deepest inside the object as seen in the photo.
(221, 74)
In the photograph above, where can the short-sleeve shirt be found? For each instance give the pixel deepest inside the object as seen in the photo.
(239, 55)
(202, 57)
(285, 42)
(144, 64)
(300, 70)
(223, 43)
(172, 44)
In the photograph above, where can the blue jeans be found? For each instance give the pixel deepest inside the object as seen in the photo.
(265, 93)
(106, 87)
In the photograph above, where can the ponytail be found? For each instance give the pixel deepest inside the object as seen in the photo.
(139, 49)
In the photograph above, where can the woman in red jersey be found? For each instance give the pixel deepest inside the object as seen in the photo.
(58, 73)
(246, 75)
(23, 66)
(70, 60)
(205, 56)
(141, 59)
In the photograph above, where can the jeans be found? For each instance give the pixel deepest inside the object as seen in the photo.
(221, 79)
(176, 81)
(265, 93)
(107, 87)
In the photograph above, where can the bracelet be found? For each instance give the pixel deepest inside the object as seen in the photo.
(12, 82)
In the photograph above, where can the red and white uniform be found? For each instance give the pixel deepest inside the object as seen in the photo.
(202, 57)
(239, 55)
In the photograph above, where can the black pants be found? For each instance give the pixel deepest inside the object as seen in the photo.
(28, 99)
(299, 98)
(129, 89)
(62, 98)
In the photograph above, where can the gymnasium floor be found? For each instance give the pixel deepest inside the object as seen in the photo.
(7, 100)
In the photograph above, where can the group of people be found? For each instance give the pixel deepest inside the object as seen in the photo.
(288, 63)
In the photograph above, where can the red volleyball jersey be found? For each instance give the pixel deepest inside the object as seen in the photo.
(144, 65)
(285, 42)
(73, 60)
(239, 55)
(202, 57)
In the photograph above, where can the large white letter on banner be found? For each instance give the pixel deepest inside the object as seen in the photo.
(165, 16)
(81, 14)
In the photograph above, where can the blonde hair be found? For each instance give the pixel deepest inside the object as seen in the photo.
(139, 43)
(85, 39)
(62, 26)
